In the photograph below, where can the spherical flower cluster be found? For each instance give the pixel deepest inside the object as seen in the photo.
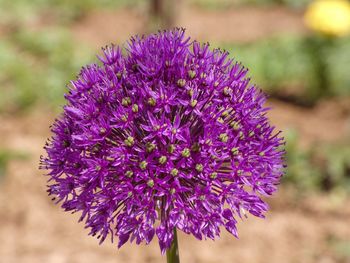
(329, 17)
(169, 135)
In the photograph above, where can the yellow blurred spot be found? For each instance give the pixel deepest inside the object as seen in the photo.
(329, 17)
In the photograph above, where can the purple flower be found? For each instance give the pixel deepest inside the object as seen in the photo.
(169, 135)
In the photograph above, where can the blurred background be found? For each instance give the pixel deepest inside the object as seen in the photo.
(305, 72)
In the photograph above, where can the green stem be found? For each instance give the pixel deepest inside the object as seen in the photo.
(172, 254)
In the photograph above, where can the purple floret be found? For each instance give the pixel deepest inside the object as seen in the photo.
(169, 135)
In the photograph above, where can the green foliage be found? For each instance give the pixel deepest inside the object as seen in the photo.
(337, 164)
(300, 171)
(213, 4)
(324, 167)
(15, 75)
(277, 63)
(18, 12)
(71, 10)
(338, 59)
(35, 67)
(5, 156)
(341, 248)
(290, 66)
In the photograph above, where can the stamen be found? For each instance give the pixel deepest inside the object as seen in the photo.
(150, 147)
(191, 74)
(199, 167)
(162, 159)
(171, 148)
(124, 117)
(235, 125)
(193, 103)
(150, 183)
(224, 114)
(186, 153)
(234, 150)
(213, 175)
(174, 172)
(227, 91)
(129, 141)
(143, 165)
(223, 137)
(135, 108)
(126, 101)
(102, 131)
(152, 102)
(190, 92)
(181, 83)
(129, 173)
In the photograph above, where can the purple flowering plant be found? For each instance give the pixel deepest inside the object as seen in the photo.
(170, 135)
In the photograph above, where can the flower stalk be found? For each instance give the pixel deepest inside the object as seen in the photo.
(172, 254)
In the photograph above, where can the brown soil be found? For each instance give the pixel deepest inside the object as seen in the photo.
(328, 122)
(243, 24)
(109, 26)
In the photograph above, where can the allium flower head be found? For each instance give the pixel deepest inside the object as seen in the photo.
(169, 135)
